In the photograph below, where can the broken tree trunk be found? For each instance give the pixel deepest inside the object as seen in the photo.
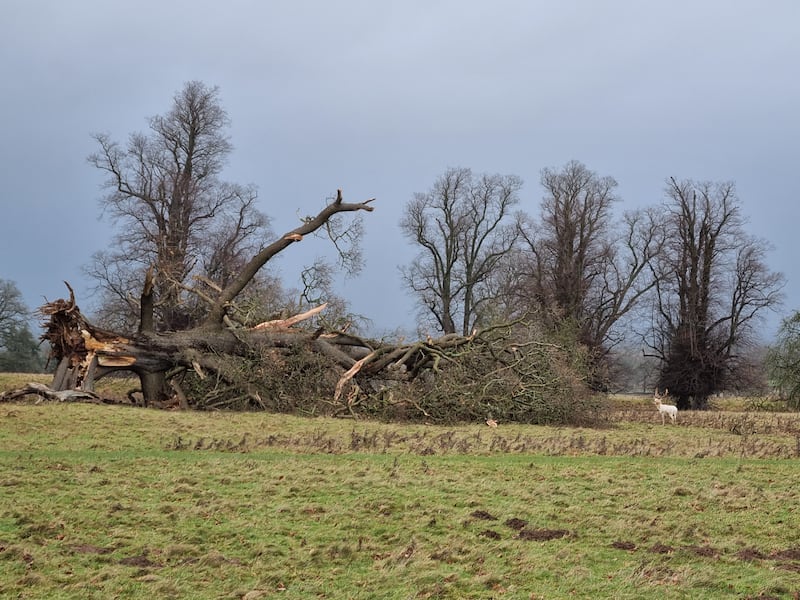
(86, 353)
(153, 383)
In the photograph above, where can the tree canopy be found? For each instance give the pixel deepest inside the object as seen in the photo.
(712, 285)
(173, 211)
(464, 227)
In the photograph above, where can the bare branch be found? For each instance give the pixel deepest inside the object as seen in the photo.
(214, 317)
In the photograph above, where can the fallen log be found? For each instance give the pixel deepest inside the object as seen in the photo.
(47, 393)
(234, 357)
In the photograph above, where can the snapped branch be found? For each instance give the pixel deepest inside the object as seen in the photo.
(217, 312)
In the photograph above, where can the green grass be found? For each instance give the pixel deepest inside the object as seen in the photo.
(104, 501)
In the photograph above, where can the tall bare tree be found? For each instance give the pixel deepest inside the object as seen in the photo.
(13, 311)
(173, 210)
(712, 285)
(578, 265)
(465, 227)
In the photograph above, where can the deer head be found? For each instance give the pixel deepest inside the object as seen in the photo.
(657, 398)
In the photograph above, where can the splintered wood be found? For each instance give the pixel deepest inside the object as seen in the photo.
(287, 323)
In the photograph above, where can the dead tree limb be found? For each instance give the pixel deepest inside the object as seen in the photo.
(214, 318)
(286, 323)
(43, 391)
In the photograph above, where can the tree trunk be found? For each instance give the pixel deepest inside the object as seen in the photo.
(153, 385)
(87, 353)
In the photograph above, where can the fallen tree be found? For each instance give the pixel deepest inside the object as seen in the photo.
(85, 353)
(507, 372)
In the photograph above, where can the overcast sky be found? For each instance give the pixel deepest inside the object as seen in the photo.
(381, 97)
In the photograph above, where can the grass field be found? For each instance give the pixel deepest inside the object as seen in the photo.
(119, 502)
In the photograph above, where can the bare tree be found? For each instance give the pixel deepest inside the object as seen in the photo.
(13, 311)
(578, 266)
(175, 213)
(783, 360)
(465, 228)
(712, 285)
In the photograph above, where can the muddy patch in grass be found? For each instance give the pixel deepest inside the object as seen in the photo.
(621, 545)
(542, 535)
(750, 554)
(141, 561)
(483, 515)
(488, 533)
(517, 524)
(788, 554)
(703, 551)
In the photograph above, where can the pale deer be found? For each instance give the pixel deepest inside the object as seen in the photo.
(665, 409)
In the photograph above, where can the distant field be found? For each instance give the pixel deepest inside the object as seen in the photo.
(112, 501)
